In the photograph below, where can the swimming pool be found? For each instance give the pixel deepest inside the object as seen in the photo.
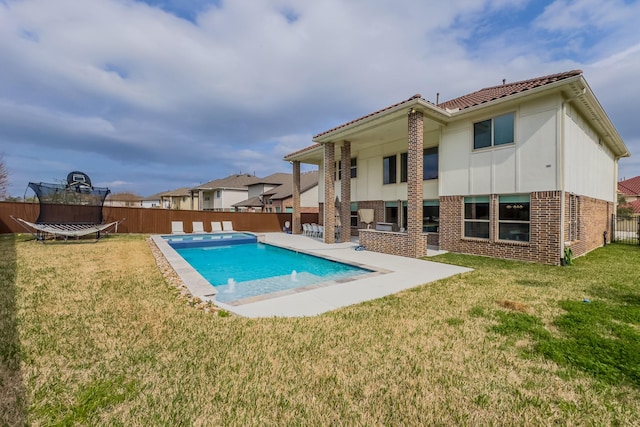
(251, 270)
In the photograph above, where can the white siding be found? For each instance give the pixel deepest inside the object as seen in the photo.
(309, 198)
(589, 165)
(526, 166)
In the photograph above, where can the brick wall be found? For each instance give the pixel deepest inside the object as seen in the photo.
(387, 242)
(544, 241)
(594, 218)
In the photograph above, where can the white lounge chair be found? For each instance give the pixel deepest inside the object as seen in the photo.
(216, 226)
(198, 227)
(227, 226)
(176, 227)
(306, 231)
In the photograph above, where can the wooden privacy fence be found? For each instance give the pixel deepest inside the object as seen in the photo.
(157, 221)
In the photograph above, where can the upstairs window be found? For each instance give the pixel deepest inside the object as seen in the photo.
(389, 170)
(493, 132)
(430, 163)
(354, 169)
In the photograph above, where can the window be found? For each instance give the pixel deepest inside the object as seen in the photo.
(391, 212)
(574, 204)
(389, 170)
(218, 194)
(404, 173)
(514, 217)
(430, 215)
(354, 169)
(430, 163)
(354, 214)
(288, 209)
(476, 217)
(277, 209)
(494, 132)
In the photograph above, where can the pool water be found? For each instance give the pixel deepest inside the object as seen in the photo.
(248, 270)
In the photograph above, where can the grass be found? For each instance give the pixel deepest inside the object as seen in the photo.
(92, 334)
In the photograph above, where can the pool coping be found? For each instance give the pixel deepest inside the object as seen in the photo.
(391, 274)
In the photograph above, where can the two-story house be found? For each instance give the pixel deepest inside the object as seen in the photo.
(522, 170)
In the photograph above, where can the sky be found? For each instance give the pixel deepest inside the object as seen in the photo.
(149, 96)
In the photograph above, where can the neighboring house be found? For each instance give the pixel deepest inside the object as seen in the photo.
(129, 200)
(222, 194)
(630, 190)
(153, 201)
(176, 199)
(274, 193)
(521, 170)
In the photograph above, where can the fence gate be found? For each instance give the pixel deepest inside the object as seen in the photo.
(626, 230)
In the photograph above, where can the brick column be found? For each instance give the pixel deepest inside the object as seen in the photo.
(329, 192)
(345, 193)
(415, 238)
(295, 216)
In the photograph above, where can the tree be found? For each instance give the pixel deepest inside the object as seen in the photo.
(624, 209)
(4, 179)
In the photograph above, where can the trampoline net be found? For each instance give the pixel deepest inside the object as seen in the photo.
(69, 204)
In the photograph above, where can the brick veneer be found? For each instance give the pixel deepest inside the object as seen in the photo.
(416, 246)
(329, 208)
(388, 242)
(345, 192)
(544, 246)
(594, 218)
(296, 226)
(544, 241)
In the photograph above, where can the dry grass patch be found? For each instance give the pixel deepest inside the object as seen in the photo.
(100, 338)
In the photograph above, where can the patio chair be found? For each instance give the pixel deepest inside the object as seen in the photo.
(216, 226)
(198, 227)
(320, 230)
(176, 227)
(315, 230)
(227, 226)
(305, 229)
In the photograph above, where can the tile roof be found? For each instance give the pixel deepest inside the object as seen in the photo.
(307, 181)
(630, 187)
(635, 205)
(505, 89)
(475, 98)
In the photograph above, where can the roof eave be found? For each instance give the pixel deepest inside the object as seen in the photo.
(342, 132)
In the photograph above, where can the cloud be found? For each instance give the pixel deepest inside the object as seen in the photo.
(164, 93)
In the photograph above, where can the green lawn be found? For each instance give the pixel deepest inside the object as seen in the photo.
(93, 334)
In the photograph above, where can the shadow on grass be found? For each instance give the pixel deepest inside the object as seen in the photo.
(12, 391)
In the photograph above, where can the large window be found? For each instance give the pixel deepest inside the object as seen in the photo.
(476, 217)
(430, 163)
(430, 215)
(494, 132)
(514, 217)
(389, 170)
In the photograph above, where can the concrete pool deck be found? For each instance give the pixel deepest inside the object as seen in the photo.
(395, 274)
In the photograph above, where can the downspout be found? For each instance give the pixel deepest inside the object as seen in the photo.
(562, 166)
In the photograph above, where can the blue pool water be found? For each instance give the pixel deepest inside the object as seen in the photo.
(252, 269)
